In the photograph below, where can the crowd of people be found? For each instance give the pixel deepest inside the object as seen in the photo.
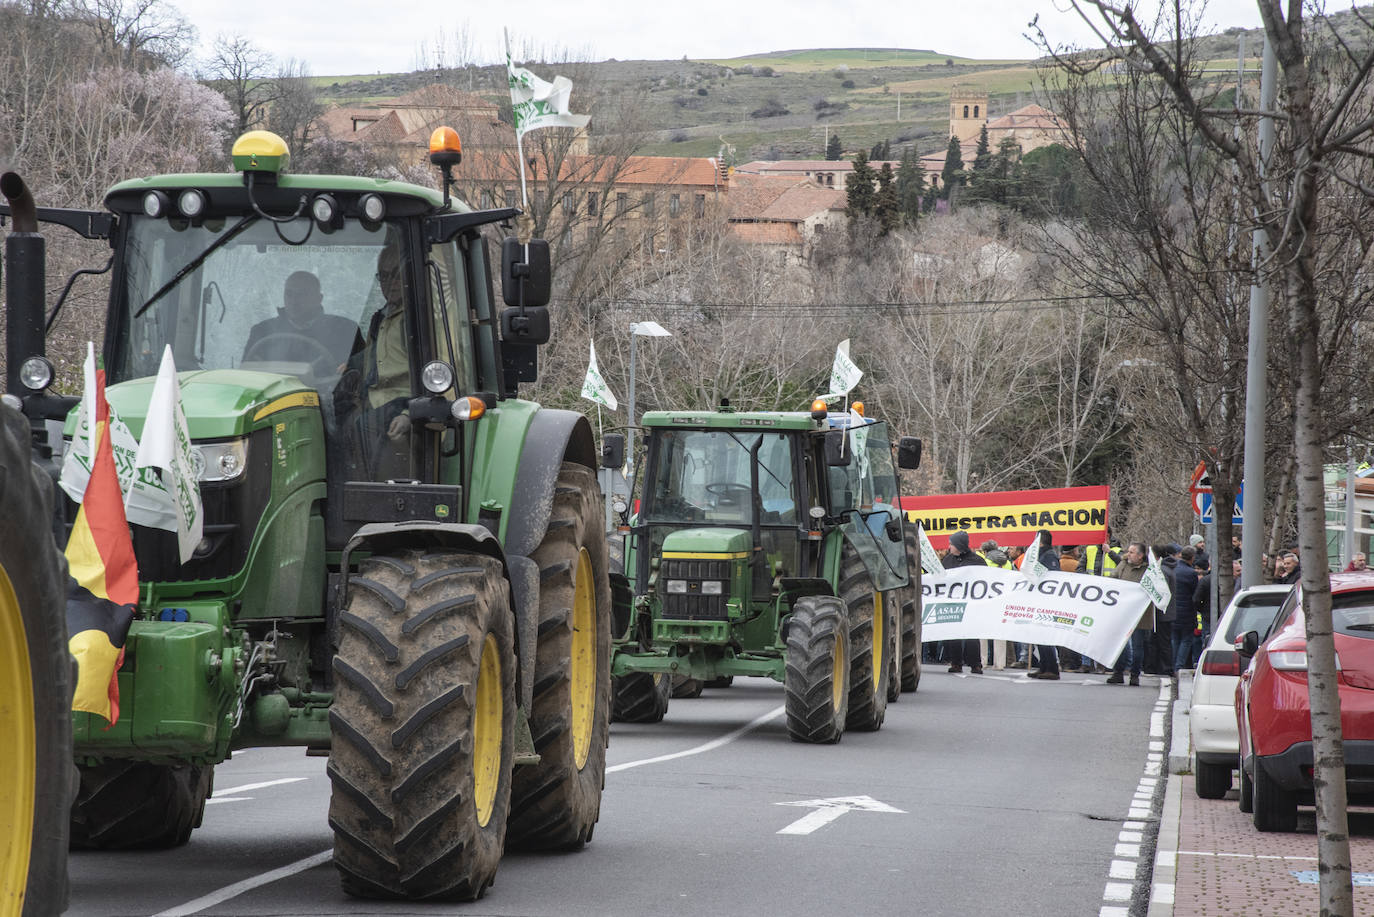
(1164, 641)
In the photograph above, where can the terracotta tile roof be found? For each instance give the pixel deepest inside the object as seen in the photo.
(412, 117)
(751, 195)
(388, 129)
(646, 171)
(803, 166)
(1031, 116)
(803, 202)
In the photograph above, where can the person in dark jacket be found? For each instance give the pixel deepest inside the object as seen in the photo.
(1132, 570)
(1200, 555)
(1202, 601)
(1290, 569)
(1185, 609)
(1049, 657)
(963, 651)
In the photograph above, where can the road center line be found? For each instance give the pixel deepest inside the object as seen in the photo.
(704, 747)
(247, 885)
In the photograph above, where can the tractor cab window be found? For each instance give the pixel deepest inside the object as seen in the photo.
(286, 300)
(703, 476)
(865, 492)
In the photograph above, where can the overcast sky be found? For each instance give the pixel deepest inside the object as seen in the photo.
(363, 36)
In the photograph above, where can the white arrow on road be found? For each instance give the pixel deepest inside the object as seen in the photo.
(827, 810)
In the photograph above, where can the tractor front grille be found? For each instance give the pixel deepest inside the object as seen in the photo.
(692, 605)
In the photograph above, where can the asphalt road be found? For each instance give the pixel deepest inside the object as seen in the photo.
(1010, 795)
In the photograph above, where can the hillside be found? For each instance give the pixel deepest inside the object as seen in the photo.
(784, 104)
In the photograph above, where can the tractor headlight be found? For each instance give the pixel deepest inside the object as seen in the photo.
(374, 207)
(191, 203)
(156, 204)
(677, 586)
(324, 208)
(35, 374)
(218, 462)
(437, 377)
(712, 587)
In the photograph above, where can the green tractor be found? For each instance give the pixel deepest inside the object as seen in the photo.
(402, 565)
(768, 544)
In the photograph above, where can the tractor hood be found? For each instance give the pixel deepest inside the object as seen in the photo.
(712, 541)
(219, 404)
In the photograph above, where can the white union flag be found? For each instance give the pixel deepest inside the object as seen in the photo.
(594, 387)
(536, 103)
(166, 445)
(844, 375)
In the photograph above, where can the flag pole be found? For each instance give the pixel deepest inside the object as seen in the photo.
(519, 146)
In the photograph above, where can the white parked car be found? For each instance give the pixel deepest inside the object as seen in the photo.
(1212, 716)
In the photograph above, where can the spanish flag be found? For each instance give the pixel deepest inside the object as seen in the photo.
(103, 590)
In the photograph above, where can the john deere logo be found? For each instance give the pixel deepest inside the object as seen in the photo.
(441, 511)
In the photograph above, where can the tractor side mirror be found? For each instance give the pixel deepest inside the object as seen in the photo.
(1247, 644)
(613, 450)
(837, 451)
(529, 325)
(909, 452)
(894, 531)
(526, 278)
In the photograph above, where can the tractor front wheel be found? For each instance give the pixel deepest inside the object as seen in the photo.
(555, 804)
(423, 726)
(640, 697)
(911, 615)
(123, 805)
(816, 679)
(869, 622)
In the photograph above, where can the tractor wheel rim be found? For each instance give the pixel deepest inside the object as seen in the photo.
(879, 638)
(583, 659)
(18, 766)
(837, 674)
(487, 716)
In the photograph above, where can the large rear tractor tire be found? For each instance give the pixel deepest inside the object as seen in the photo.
(640, 697)
(816, 680)
(892, 602)
(35, 686)
(555, 804)
(869, 623)
(911, 615)
(423, 726)
(126, 805)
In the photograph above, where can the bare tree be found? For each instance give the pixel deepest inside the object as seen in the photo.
(1317, 172)
(137, 33)
(296, 108)
(242, 73)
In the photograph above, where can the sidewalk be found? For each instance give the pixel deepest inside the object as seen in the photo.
(1219, 865)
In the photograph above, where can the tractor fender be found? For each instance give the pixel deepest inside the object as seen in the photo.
(520, 572)
(554, 437)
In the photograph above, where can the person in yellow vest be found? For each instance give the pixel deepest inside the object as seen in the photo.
(1100, 559)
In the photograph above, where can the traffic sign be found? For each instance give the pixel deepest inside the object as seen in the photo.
(1202, 506)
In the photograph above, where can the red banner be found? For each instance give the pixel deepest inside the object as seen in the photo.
(1073, 515)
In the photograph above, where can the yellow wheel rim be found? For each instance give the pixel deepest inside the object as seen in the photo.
(837, 676)
(487, 715)
(18, 762)
(583, 658)
(879, 639)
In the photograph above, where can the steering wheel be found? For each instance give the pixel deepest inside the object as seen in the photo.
(729, 491)
(292, 342)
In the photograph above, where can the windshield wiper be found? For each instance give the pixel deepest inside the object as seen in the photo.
(196, 262)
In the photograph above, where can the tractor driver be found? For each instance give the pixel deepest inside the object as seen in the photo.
(303, 332)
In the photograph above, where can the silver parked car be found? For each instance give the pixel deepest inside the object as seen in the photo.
(1212, 716)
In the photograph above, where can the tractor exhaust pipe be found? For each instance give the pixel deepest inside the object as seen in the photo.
(26, 257)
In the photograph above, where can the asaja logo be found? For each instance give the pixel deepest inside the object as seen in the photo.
(944, 613)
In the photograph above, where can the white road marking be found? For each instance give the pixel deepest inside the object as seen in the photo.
(1114, 911)
(230, 790)
(1162, 892)
(827, 810)
(238, 888)
(1117, 891)
(1122, 869)
(705, 746)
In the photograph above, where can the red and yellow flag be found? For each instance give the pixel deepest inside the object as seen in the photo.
(104, 591)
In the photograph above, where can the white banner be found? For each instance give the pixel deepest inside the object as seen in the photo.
(167, 446)
(1091, 614)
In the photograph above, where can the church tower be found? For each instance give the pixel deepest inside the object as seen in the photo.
(968, 112)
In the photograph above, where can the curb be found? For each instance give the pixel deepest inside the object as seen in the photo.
(1165, 873)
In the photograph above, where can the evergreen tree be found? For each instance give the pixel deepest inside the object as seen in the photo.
(886, 208)
(833, 150)
(1001, 176)
(911, 187)
(859, 191)
(982, 156)
(882, 150)
(953, 174)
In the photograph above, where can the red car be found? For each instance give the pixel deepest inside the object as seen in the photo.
(1273, 715)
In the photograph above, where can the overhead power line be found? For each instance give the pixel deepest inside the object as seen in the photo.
(931, 307)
